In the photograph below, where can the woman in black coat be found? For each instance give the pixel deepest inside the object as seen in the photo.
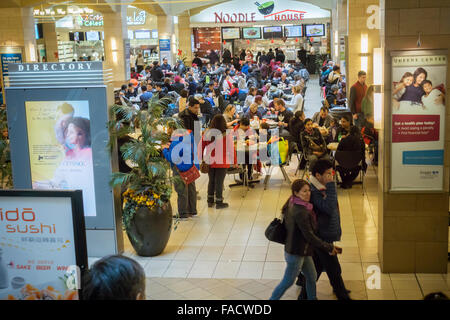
(301, 225)
(351, 142)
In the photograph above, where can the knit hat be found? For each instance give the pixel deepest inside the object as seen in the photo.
(177, 78)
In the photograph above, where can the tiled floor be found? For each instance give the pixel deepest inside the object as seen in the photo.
(223, 254)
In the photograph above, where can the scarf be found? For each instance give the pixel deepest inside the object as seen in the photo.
(308, 205)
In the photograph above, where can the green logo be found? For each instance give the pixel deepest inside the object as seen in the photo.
(265, 8)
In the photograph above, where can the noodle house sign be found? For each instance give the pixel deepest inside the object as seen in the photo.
(276, 10)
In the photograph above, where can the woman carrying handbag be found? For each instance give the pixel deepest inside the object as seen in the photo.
(301, 224)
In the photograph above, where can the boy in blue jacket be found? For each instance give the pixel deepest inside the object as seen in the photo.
(324, 199)
(181, 152)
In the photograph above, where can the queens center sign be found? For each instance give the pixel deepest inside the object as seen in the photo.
(276, 10)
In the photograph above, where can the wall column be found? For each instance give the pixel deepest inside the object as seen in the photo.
(166, 30)
(412, 227)
(17, 31)
(116, 36)
(361, 40)
(51, 42)
(184, 32)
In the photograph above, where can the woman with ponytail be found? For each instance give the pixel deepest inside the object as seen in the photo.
(301, 225)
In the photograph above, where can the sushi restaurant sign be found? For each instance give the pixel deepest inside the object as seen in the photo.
(276, 10)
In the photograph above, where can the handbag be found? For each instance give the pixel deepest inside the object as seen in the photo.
(276, 231)
(204, 167)
(190, 175)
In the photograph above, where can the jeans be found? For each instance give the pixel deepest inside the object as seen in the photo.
(295, 264)
(215, 184)
(323, 261)
(187, 197)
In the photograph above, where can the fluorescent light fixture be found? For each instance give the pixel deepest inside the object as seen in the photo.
(364, 43)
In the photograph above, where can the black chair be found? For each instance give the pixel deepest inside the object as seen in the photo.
(350, 160)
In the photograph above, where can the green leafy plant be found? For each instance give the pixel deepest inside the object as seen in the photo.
(5, 156)
(149, 183)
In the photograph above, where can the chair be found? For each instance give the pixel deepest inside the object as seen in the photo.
(350, 160)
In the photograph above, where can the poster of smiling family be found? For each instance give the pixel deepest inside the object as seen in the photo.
(418, 121)
(59, 140)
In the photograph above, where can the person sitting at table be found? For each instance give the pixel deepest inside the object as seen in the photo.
(261, 101)
(344, 128)
(332, 131)
(131, 92)
(234, 92)
(219, 100)
(208, 89)
(159, 90)
(192, 86)
(322, 120)
(182, 100)
(284, 115)
(145, 97)
(253, 111)
(177, 85)
(351, 142)
(250, 97)
(230, 116)
(284, 79)
(296, 103)
(296, 127)
(244, 129)
(313, 143)
(332, 97)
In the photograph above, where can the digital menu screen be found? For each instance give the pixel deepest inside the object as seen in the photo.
(230, 33)
(251, 33)
(315, 30)
(293, 31)
(272, 32)
(92, 35)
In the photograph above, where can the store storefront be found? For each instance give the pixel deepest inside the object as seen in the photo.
(80, 32)
(272, 24)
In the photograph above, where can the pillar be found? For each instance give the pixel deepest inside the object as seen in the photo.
(413, 227)
(363, 36)
(166, 32)
(184, 32)
(17, 31)
(116, 45)
(51, 42)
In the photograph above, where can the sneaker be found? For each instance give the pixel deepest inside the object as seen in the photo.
(221, 205)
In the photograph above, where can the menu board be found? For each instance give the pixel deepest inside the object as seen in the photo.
(230, 33)
(293, 31)
(315, 30)
(43, 245)
(272, 32)
(59, 142)
(251, 33)
(142, 34)
(418, 121)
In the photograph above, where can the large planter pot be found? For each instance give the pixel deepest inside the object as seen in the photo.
(150, 230)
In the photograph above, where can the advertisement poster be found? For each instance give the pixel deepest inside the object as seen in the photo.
(164, 50)
(9, 58)
(37, 249)
(59, 141)
(418, 122)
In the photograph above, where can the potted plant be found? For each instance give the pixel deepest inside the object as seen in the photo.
(5, 156)
(147, 187)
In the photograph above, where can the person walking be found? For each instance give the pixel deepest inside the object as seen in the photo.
(325, 202)
(357, 93)
(220, 156)
(301, 240)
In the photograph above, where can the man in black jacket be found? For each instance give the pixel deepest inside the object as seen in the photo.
(189, 117)
(156, 74)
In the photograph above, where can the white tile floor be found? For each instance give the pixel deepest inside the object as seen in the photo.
(223, 254)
